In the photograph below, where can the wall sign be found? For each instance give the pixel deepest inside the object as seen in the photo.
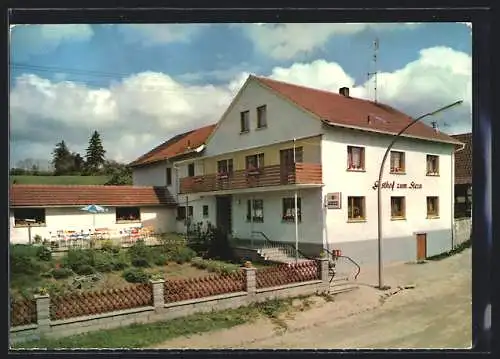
(392, 185)
(333, 200)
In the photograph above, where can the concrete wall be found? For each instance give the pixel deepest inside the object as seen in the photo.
(462, 230)
(359, 239)
(284, 122)
(162, 219)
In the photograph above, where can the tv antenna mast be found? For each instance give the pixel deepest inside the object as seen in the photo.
(375, 71)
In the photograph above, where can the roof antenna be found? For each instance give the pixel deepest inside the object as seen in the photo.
(375, 72)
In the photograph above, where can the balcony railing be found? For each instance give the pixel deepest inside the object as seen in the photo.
(277, 175)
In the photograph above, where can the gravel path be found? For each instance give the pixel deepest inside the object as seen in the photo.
(436, 313)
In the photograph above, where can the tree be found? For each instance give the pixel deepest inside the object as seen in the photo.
(95, 154)
(120, 176)
(62, 159)
(78, 162)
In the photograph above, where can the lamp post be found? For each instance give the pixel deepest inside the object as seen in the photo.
(379, 185)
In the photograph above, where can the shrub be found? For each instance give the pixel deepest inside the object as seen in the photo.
(135, 275)
(214, 266)
(140, 254)
(171, 243)
(79, 257)
(183, 255)
(160, 259)
(108, 246)
(37, 238)
(23, 260)
(120, 261)
(103, 262)
(59, 273)
(84, 269)
(43, 253)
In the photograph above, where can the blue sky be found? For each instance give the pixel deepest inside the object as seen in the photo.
(77, 78)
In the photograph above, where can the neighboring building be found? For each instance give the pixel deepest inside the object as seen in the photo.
(463, 177)
(157, 167)
(56, 209)
(278, 140)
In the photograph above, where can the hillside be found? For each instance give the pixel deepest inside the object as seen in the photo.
(54, 180)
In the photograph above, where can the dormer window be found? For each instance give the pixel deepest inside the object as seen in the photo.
(244, 121)
(262, 116)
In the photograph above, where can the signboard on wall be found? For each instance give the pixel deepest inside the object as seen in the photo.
(393, 185)
(333, 200)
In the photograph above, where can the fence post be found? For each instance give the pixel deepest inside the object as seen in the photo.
(251, 282)
(158, 286)
(43, 313)
(323, 273)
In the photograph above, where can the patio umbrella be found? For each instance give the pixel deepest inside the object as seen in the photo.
(94, 208)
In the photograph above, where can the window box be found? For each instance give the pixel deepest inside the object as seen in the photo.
(198, 180)
(223, 176)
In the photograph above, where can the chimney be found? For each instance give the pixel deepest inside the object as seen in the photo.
(344, 91)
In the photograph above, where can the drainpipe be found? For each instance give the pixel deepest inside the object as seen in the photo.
(296, 205)
(251, 220)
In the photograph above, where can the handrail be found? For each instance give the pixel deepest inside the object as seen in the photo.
(283, 244)
(349, 258)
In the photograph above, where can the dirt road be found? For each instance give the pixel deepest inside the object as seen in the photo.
(435, 314)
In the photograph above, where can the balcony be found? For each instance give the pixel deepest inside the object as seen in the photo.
(300, 173)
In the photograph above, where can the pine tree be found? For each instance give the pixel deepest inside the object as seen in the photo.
(95, 153)
(62, 159)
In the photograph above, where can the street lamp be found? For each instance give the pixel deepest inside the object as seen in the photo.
(379, 192)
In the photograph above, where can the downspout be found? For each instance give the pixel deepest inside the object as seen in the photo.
(296, 209)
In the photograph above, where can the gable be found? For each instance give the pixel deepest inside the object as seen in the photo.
(285, 121)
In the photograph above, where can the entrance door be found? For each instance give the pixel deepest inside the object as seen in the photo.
(421, 246)
(287, 162)
(223, 220)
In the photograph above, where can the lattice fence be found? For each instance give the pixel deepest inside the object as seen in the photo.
(287, 273)
(193, 288)
(89, 303)
(22, 312)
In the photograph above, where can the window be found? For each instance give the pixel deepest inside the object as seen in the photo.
(245, 121)
(225, 168)
(355, 158)
(205, 211)
(169, 176)
(181, 212)
(34, 217)
(356, 208)
(432, 207)
(262, 116)
(397, 162)
(289, 209)
(128, 214)
(257, 213)
(398, 210)
(432, 165)
(191, 170)
(254, 162)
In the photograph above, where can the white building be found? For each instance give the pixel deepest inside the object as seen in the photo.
(54, 212)
(278, 140)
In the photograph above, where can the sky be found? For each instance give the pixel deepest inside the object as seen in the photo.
(140, 84)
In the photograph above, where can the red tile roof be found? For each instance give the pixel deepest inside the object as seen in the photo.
(463, 160)
(73, 195)
(340, 110)
(177, 145)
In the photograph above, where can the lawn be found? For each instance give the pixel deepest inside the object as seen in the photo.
(61, 180)
(147, 335)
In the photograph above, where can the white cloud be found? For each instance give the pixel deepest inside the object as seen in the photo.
(31, 40)
(144, 109)
(285, 41)
(155, 34)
